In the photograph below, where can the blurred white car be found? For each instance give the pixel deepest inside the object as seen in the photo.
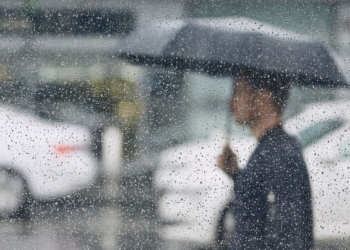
(323, 130)
(196, 193)
(41, 159)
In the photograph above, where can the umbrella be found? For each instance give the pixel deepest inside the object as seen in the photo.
(221, 46)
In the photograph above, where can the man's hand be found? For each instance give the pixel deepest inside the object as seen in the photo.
(227, 162)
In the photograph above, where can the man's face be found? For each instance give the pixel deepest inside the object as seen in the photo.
(241, 102)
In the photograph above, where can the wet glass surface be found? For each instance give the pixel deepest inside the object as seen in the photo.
(102, 148)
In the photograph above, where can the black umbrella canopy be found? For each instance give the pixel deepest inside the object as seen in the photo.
(221, 46)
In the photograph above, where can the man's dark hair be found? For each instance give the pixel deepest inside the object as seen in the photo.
(277, 84)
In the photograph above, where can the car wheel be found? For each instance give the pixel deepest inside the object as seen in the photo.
(13, 194)
(225, 229)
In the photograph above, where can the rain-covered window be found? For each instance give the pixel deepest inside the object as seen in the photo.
(116, 117)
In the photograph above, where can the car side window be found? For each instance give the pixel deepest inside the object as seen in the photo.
(317, 131)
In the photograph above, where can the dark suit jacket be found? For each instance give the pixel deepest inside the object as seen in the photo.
(272, 203)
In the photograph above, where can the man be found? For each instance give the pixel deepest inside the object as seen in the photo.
(272, 203)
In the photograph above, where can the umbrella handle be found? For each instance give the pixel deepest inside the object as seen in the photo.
(228, 127)
(228, 122)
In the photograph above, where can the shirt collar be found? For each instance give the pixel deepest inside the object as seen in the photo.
(271, 132)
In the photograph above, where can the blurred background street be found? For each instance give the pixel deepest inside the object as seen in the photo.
(97, 153)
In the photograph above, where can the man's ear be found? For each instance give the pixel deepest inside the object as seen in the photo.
(262, 97)
(265, 101)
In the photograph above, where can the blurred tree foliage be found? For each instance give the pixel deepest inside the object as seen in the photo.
(125, 105)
